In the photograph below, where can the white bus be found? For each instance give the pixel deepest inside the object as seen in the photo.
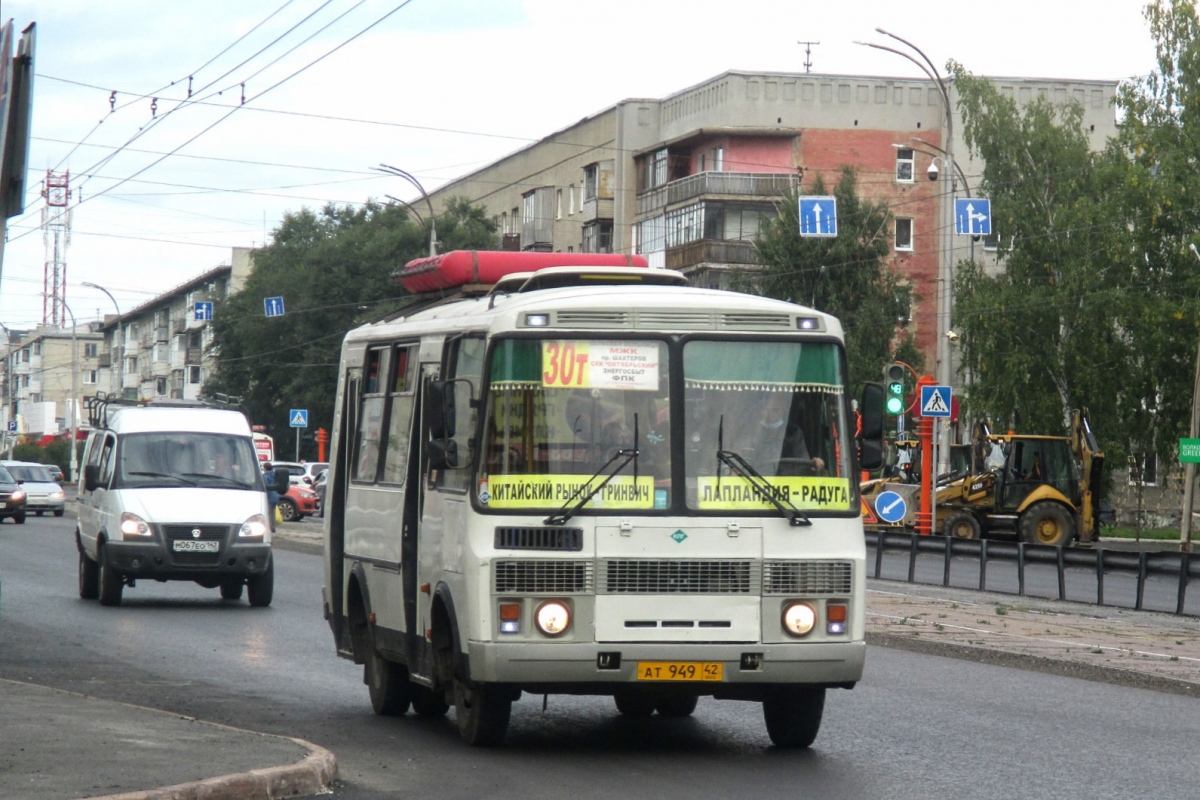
(598, 481)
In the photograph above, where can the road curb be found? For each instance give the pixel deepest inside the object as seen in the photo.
(312, 775)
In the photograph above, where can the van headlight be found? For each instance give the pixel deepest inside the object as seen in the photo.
(253, 529)
(134, 527)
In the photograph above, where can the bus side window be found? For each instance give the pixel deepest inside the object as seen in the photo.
(464, 365)
(370, 418)
(402, 402)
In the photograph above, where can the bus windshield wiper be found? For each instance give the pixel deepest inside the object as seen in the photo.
(741, 467)
(628, 454)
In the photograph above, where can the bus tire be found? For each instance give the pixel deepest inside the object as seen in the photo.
(793, 715)
(634, 704)
(678, 706)
(387, 683)
(481, 711)
(1047, 523)
(428, 703)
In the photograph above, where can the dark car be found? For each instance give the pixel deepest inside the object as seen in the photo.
(12, 498)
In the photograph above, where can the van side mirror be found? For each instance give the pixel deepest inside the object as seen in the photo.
(91, 477)
(870, 437)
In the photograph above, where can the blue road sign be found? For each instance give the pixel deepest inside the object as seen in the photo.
(890, 507)
(818, 216)
(273, 306)
(973, 216)
(12, 425)
(203, 310)
(298, 417)
(935, 401)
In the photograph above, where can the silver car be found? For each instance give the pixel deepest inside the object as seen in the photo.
(42, 492)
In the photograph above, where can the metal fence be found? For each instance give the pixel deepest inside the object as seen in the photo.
(1066, 562)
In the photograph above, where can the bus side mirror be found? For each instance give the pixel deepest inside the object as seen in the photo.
(443, 454)
(870, 437)
(91, 477)
(439, 406)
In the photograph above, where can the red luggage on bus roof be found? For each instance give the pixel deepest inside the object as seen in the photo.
(462, 267)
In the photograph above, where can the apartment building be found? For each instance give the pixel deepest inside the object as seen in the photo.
(46, 371)
(686, 179)
(158, 348)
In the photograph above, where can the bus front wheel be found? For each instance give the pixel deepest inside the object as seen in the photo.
(793, 715)
(481, 711)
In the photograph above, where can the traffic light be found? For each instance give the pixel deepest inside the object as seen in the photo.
(893, 378)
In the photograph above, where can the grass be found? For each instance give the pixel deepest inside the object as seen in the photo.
(1156, 534)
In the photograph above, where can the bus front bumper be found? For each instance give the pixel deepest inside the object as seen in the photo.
(599, 668)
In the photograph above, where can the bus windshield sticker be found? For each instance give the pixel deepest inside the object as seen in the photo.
(542, 491)
(592, 364)
(805, 493)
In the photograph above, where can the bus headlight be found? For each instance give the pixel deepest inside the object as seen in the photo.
(552, 618)
(799, 618)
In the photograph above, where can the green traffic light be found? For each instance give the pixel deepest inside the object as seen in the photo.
(895, 405)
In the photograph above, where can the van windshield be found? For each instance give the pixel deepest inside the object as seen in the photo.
(209, 460)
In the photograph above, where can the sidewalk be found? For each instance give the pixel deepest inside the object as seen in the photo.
(57, 744)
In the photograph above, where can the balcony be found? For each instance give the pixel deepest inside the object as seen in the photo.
(105, 360)
(596, 208)
(711, 251)
(717, 184)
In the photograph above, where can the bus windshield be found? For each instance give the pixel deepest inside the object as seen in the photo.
(560, 410)
(759, 418)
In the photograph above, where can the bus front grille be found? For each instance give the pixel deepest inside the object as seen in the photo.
(807, 577)
(661, 576)
(512, 537)
(542, 577)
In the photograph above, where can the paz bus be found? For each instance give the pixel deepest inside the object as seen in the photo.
(558, 473)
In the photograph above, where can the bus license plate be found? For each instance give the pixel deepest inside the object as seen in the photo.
(189, 546)
(680, 671)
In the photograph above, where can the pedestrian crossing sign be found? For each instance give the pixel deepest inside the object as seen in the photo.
(935, 401)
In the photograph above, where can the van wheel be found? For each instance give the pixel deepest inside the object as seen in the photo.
(111, 582)
(429, 703)
(288, 510)
(262, 586)
(231, 589)
(89, 577)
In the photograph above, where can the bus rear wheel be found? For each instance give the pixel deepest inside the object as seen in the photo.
(793, 715)
(387, 683)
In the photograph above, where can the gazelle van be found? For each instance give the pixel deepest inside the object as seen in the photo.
(168, 492)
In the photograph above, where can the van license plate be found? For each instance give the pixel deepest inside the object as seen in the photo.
(189, 546)
(680, 671)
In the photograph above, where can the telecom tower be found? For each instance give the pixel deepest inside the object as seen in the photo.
(56, 235)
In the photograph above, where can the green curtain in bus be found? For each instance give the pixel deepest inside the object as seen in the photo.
(517, 363)
(783, 366)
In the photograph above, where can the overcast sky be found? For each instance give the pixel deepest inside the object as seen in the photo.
(163, 189)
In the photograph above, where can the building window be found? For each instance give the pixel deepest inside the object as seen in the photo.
(194, 376)
(718, 159)
(591, 175)
(597, 237)
(91, 350)
(571, 200)
(904, 233)
(37, 348)
(89, 377)
(160, 387)
(905, 162)
(991, 242)
(515, 221)
(558, 203)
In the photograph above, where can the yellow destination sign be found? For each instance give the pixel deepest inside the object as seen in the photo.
(547, 491)
(805, 493)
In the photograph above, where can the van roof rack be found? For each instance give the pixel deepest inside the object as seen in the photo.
(102, 406)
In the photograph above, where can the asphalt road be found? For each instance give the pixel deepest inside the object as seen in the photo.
(918, 726)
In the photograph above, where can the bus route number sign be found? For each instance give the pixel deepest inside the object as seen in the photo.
(573, 364)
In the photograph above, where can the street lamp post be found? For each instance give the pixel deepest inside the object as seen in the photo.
(120, 339)
(432, 220)
(74, 389)
(946, 268)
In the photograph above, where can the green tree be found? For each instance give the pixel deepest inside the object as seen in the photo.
(846, 276)
(1038, 337)
(334, 269)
